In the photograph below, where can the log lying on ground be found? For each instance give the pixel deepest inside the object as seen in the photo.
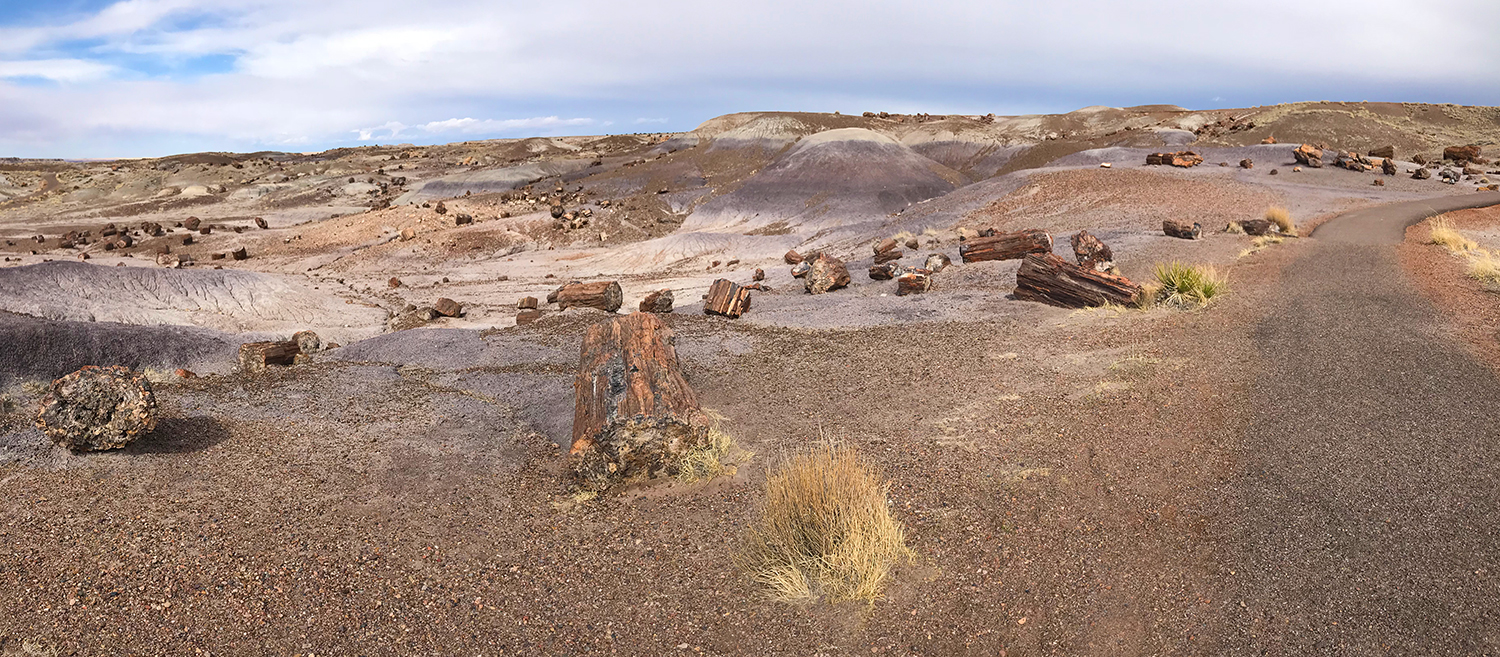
(659, 302)
(914, 281)
(604, 295)
(1052, 280)
(257, 356)
(1258, 227)
(888, 256)
(1006, 246)
(727, 299)
(1182, 229)
(633, 412)
(1182, 159)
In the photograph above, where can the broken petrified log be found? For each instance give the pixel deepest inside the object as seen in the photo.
(1182, 159)
(1384, 152)
(448, 307)
(191, 223)
(1088, 248)
(257, 356)
(885, 272)
(888, 256)
(634, 414)
(527, 303)
(604, 295)
(1422, 173)
(1388, 167)
(659, 302)
(1468, 153)
(727, 299)
(1258, 227)
(308, 342)
(239, 254)
(1247, 163)
(914, 281)
(1182, 229)
(936, 262)
(261, 223)
(1005, 246)
(1052, 280)
(800, 269)
(825, 274)
(759, 275)
(885, 246)
(98, 408)
(528, 316)
(792, 257)
(1309, 155)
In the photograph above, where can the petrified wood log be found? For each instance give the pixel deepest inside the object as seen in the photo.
(1182, 229)
(826, 274)
(914, 281)
(604, 295)
(884, 246)
(1006, 246)
(527, 316)
(257, 356)
(1258, 227)
(937, 262)
(659, 302)
(792, 257)
(1086, 247)
(885, 272)
(239, 254)
(1052, 280)
(727, 299)
(633, 412)
(527, 303)
(98, 408)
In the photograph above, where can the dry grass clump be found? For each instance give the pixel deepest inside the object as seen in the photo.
(715, 455)
(1234, 228)
(1283, 219)
(1188, 286)
(827, 530)
(1484, 267)
(1442, 233)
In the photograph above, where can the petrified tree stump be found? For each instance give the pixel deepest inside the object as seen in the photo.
(659, 301)
(257, 356)
(1006, 246)
(1052, 280)
(727, 299)
(826, 274)
(604, 295)
(98, 408)
(1182, 229)
(239, 254)
(633, 412)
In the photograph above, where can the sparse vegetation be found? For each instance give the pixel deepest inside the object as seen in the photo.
(1188, 286)
(1283, 219)
(1234, 228)
(1261, 243)
(904, 235)
(1442, 233)
(827, 530)
(715, 455)
(1484, 266)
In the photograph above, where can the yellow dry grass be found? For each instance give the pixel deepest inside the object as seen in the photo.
(1283, 219)
(826, 530)
(1442, 233)
(1484, 266)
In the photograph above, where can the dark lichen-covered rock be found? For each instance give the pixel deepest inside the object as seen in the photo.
(98, 408)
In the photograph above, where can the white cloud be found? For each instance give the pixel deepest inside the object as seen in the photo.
(57, 70)
(646, 120)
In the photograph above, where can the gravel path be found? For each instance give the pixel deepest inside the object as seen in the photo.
(1367, 487)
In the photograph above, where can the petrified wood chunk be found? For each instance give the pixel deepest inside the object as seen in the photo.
(98, 408)
(257, 356)
(527, 303)
(1258, 227)
(633, 412)
(826, 274)
(885, 272)
(659, 301)
(727, 299)
(1006, 246)
(448, 307)
(1087, 248)
(792, 257)
(604, 295)
(937, 262)
(1050, 279)
(914, 281)
(1182, 229)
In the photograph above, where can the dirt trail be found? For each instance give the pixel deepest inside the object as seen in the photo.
(1365, 511)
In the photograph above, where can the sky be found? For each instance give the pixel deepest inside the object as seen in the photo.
(141, 78)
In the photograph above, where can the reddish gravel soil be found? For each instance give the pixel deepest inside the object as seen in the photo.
(1471, 307)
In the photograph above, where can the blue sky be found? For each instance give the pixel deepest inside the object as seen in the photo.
(100, 78)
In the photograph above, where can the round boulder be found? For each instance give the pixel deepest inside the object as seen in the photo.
(98, 408)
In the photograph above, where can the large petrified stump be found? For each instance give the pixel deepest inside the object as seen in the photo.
(98, 408)
(634, 414)
(1050, 279)
(604, 295)
(726, 298)
(825, 274)
(1005, 246)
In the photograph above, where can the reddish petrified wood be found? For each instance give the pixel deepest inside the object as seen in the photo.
(659, 302)
(1006, 246)
(1183, 229)
(604, 295)
(633, 412)
(1052, 280)
(727, 299)
(256, 356)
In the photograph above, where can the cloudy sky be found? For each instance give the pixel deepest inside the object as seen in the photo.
(108, 78)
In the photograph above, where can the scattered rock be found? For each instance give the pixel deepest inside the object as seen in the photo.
(936, 262)
(759, 275)
(1309, 155)
(1273, 172)
(1378, 183)
(1419, 158)
(826, 274)
(528, 316)
(885, 271)
(462, 219)
(185, 374)
(527, 303)
(1258, 227)
(800, 269)
(1384, 152)
(1268, 140)
(1422, 173)
(260, 222)
(1388, 167)
(408, 234)
(914, 281)
(792, 257)
(239, 254)
(448, 307)
(440, 209)
(1181, 229)
(1247, 163)
(659, 302)
(191, 223)
(98, 408)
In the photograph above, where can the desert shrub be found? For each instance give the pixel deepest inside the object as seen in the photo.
(716, 454)
(826, 530)
(1235, 228)
(1484, 266)
(1283, 219)
(1188, 285)
(1442, 233)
